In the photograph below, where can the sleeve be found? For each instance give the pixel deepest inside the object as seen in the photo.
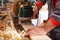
(40, 3)
(55, 16)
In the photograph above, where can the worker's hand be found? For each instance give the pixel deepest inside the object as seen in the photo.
(35, 31)
(35, 11)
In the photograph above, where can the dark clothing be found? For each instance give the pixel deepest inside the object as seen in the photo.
(55, 33)
(26, 11)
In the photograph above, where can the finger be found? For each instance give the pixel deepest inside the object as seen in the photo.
(27, 33)
(29, 29)
(30, 32)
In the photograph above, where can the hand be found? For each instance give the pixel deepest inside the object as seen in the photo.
(35, 11)
(35, 31)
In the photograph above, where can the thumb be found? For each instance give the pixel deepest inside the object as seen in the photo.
(27, 34)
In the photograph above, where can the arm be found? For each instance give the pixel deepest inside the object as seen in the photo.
(54, 20)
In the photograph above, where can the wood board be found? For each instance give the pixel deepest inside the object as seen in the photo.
(38, 37)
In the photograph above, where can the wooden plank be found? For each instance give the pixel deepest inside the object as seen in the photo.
(44, 37)
(38, 37)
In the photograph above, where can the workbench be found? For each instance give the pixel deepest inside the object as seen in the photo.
(38, 37)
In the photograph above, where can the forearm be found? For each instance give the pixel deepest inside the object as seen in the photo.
(49, 26)
(54, 19)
